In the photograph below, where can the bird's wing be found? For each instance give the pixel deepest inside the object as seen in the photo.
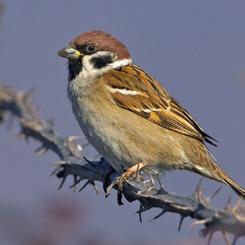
(133, 89)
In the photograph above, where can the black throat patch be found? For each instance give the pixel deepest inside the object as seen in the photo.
(74, 68)
(101, 61)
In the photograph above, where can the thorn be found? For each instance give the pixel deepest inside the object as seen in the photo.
(61, 173)
(119, 198)
(204, 200)
(198, 188)
(97, 190)
(58, 166)
(84, 186)
(238, 204)
(76, 180)
(182, 217)
(197, 192)
(140, 212)
(62, 182)
(210, 238)
(235, 240)
(90, 162)
(109, 187)
(161, 189)
(159, 215)
(228, 202)
(54, 171)
(40, 151)
(106, 179)
(59, 163)
(210, 198)
(225, 235)
(199, 222)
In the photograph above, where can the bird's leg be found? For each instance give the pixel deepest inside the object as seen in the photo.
(132, 172)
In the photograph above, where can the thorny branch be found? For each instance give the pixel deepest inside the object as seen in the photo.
(230, 220)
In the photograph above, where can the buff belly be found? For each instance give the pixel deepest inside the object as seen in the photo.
(124, 141)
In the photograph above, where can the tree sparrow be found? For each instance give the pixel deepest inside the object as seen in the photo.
(128, 117)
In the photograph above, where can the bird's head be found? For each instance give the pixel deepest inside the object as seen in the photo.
(94, 53)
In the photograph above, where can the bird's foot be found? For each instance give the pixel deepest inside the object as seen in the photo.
(132, 173)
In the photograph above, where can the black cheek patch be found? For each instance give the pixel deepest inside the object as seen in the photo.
(101, 61)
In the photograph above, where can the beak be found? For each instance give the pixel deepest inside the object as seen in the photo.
(69, 53)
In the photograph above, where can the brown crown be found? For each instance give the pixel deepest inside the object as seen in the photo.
(103, 41)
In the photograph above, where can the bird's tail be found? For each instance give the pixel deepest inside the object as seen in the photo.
(219, 174)
(229, 181)
(202, 162)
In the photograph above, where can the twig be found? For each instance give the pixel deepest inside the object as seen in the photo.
(228, 220)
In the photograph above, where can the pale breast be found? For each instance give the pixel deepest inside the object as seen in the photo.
(98, 124)
(120, 136)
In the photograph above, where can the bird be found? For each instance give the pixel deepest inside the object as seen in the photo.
(129, 117)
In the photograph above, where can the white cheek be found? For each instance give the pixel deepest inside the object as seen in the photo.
(87, 66)
(90, 71)
(82, 83)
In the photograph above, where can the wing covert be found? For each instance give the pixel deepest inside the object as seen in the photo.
(135, 90)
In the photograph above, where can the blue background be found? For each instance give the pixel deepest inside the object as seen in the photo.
(195, 48)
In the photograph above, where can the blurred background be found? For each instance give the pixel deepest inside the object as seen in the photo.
(195, 48)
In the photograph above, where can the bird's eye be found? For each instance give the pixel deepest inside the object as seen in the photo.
(90, 48)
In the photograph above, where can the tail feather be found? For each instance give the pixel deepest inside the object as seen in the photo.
(219, 175)
(232, 183)
(202, 162)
